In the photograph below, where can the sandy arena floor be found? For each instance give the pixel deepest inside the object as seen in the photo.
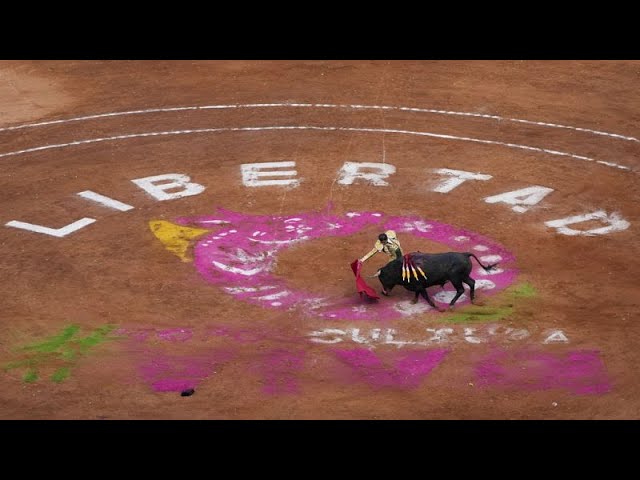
(147, 249)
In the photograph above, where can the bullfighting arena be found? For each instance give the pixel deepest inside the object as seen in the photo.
(177, 236)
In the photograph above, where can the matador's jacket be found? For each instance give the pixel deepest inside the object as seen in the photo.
(391, 248)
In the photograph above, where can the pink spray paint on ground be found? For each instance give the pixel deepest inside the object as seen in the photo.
(239, 257)
(185, 334)
(142, 334)
(279, 369)
(174, 373)
(175, 334)
(581, 372)
(404, 370)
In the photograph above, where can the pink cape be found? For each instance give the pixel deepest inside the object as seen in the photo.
(361, 285)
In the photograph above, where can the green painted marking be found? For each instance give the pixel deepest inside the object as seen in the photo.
(68, 354)
(59, 347)
(98, 336)
(31, 375)
(53, 343)
(475, 315)
(523, 290)
(60, 375)
(481, 314)
(22, 363)
(520, 290)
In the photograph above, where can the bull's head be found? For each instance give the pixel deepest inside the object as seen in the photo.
(386, 277)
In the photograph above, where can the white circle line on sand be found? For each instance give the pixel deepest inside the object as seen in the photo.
(320, 105)
(309, 127)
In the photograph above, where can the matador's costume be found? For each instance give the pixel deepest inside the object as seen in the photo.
(391, 247)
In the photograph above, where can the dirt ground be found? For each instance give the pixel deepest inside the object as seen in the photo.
(115, 318)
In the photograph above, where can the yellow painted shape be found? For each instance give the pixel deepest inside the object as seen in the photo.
(175, 238)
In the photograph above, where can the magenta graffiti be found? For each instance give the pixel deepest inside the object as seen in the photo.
(279, 369)
(238, 335)
(406, 369)
(173, 373)
(143, 334)
(175, 334)
(240, 256)
(581, 372)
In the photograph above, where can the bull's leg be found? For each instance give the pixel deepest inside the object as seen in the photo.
(472, 287)
(459, 291)
(424, 293)
(415, 299)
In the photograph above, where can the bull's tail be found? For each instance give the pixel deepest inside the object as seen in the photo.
(487, 267)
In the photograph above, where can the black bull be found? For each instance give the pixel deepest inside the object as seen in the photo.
(439, 269)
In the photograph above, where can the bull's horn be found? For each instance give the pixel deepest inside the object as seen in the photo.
(377, 274)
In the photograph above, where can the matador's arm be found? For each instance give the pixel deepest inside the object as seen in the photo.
(371, 253)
